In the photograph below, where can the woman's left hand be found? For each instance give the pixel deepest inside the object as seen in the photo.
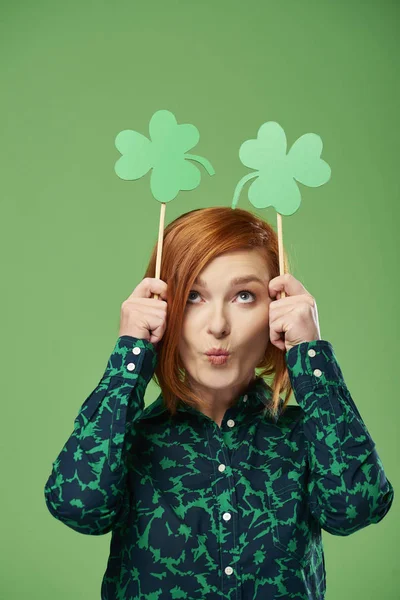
(293, 319)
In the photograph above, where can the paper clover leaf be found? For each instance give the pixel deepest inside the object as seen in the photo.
(166, 154)
(277, 171)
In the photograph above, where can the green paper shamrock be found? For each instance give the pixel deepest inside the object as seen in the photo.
(277, 171)
(165, 154)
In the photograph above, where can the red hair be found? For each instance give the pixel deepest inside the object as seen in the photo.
(190, 242)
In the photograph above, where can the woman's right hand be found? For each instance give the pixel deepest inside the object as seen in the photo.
(142, 316)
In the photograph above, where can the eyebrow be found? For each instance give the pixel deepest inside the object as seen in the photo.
(235, 281)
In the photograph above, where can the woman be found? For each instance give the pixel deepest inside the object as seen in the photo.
(219, 489)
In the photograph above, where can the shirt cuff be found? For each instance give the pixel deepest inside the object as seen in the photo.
(130, 357)
(312, 366)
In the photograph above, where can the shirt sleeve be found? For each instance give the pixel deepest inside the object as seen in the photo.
(86, 489)
(347, 488)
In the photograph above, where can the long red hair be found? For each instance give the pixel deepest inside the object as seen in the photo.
(190, 242)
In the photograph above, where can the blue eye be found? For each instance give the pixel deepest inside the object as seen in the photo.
(248, 292)
(192, 292)
(241, 292)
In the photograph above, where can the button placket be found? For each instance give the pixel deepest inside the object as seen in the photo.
(227, 516)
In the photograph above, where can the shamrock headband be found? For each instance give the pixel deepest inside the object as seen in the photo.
(274, 171)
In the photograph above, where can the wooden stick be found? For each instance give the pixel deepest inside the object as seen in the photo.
(160, 243)
(280, 249)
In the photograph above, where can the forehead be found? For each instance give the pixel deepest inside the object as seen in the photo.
(236, 267)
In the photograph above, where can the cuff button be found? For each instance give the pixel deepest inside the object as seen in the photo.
(131, 366)
(311, 352)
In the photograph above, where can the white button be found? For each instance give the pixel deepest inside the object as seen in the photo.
(230, 423)
(228, 570)
(131, 366)
(317, 373)
(221, 468)
(311, 352)
(136, 350)
(245, 398)
(226, 516)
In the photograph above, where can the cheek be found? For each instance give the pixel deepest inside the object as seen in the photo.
(259, 322)
(257, 332)
(190, 328)
(186, 340)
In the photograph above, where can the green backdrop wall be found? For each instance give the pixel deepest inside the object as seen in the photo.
(76, 239)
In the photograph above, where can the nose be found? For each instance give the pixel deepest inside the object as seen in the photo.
(218, 322)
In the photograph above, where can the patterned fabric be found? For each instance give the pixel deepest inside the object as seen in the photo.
(199, 511)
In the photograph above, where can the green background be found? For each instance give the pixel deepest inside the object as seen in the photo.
(76, 239)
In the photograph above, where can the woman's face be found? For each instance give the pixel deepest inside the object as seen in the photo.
(229, 316)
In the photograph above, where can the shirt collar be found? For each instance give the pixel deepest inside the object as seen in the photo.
(259, 396)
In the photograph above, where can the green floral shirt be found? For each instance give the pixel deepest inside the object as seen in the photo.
(199, 511)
